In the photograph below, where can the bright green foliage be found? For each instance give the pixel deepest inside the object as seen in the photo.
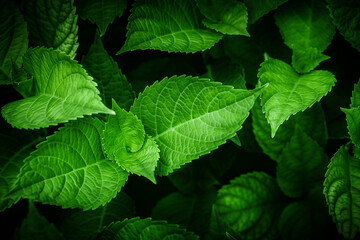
(102, 13)
(106, 73)
(289, 93)
(307, 29)
(342, 191)
(13, 39)
(36, 226)
(346, 17)
(251, 205)
(125, 142)
(311, 121)
(168, 25)
(63, 92)
(225, 16)
(189, 117)
(301, 164)
(52, 24)
(69, 169)
(258, 8)
(84, 225)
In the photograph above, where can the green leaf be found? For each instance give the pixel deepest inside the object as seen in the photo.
(301, 164)
(125, 142)
(251, 205)
(345, 15)
(225, 16)
(258, 8)
(167, 25)
(36, 226)
(355, 97)
(173, 108)
(289, 93)
(307, 29)
(22, 81)
(102, 13)
(52, 24)
(69, 169)
(63, 92)
(83, 225)
(13, 39)
(342, 192)
(106, 73)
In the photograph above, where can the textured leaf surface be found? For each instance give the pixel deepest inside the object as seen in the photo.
(225, 16)
(289, 93)
(70, 170)
(168, 25)
(346, 17)
(112, 83)
(52, 24)
(63, 92)
(342, 192)
(251, 205)
(301, 164)
(307, 29)
(189, 117)
(258, 8)
(13, 39)
(126, 143)
(102, 13)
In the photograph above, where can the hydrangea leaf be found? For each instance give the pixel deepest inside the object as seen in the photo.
(190, 116)
(342, 192)
(251, 206)
(168, 25)
(288, 92)
(125, 142)
(258, 8)
(225, 16)
(346, 17)
(63, 92)
(307, 29)
(111, 81)
(36, 226)
(69, 169)
(102, 13)
(80, 224)
(301, 164)
(22, 81)
(13, 39)
(52, 24)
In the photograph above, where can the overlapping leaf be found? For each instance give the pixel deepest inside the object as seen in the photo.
(189, 117)
(258, 8)
(63, 91)
(168, 25)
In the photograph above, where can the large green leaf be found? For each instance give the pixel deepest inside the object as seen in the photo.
(307, 29)
(102, 13)
(13, 39)
(258, 8)
(225, 16)
(168, 25)
(190, 116)
(346, 16)
(301, 164)
(125, 142)
(342, 191)
(63, 92)
(289, 93)
(251, 205)
(111, 81)
(69, 169)
(52, 24)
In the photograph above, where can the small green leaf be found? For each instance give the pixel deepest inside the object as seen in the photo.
(342, 192)
(258, 8)
(125, 142)
(225, 16)
(355, 97)
(167, 25)
(173, 108)
(22, 81)
(289, 93)
(63, 92)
